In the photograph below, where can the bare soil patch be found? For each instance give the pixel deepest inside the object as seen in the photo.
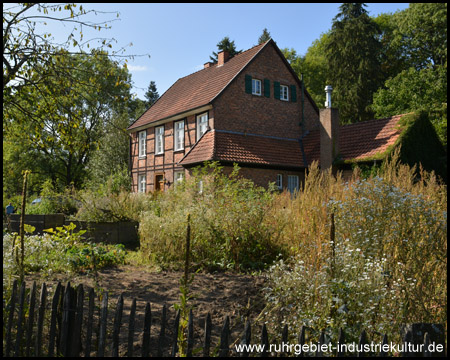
(236, 295)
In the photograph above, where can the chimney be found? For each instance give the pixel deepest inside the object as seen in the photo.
(329, 132)
(222, 57)
(208, 64)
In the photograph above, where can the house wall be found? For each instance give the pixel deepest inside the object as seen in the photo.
(238, 111)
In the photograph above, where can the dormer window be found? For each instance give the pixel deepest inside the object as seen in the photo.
(202, 124)
(284, 93)
(256, 87)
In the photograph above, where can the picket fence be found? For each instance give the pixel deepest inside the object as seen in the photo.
(70, 332)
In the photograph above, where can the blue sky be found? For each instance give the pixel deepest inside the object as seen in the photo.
(181, 37)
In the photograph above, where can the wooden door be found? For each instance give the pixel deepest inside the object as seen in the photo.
(159, 183)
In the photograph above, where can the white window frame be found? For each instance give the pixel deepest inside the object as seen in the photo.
(256, 87)
(202, 124)
(177, 179)
(159, 140)
(293, 183)
(142, 139)
(280, 181)
(284, 93)
(142, 183)
(178, 135)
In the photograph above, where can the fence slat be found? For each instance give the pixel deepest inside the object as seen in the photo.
(246, 338)
(76, 342)
(284, 339)
(131, 328)
(40, 322)
(207, 336)
(146, 333)
(30, 318)
(12, 307)
(162, 333)
(341, 341)
(175, 335)
(385, 342)
(319, 352)
(90, 321)
(190, 335)
(426, 344)
(52, 335)
(116, 328)
(264, 341)
(59, 315)
(102, 331)
(301, 339)
(64, 339)
(362, 341)
(20, 319)
(224, 338)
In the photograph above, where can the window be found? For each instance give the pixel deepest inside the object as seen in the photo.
(179, 135)
(142, 181)
(159, 140)
(284, 93)
(256, 87)
(293, 183)
(279, 181)
(142, 143)
(202, 125)
(178, 177)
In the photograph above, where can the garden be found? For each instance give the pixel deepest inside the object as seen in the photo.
(363, 253)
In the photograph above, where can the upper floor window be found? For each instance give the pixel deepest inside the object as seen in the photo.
(142, 181)
(284, 93)
(256, 87)
(159, 140)
(202, 124)
(142, 143)
(179, 135)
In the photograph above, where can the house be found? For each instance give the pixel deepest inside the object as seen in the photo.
(250, 109)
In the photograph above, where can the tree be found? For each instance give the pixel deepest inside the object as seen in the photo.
(62, 119)
(225, 45)
(354, 66)
(151, 95)
(265, 36)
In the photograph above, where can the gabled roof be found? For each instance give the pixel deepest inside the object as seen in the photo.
(249, 149)
(197, 89)
(358, 142)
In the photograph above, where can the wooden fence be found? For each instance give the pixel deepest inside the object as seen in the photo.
(70, 328)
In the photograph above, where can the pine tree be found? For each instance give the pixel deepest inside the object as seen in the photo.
(151, 95)
(265, 36)
(354, 62)
(225, 45)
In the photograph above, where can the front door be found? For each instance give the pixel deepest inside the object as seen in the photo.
(159, 183)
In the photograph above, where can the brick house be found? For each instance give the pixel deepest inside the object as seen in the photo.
(249, 109)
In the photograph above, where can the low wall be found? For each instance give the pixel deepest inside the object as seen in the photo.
(124, 232)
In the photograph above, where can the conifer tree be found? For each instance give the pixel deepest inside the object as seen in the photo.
(225, 45)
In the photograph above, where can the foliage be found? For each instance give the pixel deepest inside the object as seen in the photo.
(226, 221)
(151, 95)
(59, 250)
(265, 36)
(354, 65)
(386, 265)
(225, 45)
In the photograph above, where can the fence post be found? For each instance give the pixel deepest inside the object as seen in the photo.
(146, 333)
(264, 341)
(301, 340)
(40, 322)
(190, 335)
(20, 320)
(116, 328)
(102, 330)
(162, 334)
(90, 320)
(319, 352)
(76, 340)
(246, 338)
(207, 336)
(284, 340)
(341, 341)
(30, 318)
(362, 342)
(384, 342)
(131, 328)
(175, 335)
(64, 339)
(12, 306)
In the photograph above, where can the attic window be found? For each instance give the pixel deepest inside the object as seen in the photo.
(284, 93)
(256, 87)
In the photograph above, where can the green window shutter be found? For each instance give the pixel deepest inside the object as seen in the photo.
(266, 87)
(293, 93)
(276, 90)
(248, 84)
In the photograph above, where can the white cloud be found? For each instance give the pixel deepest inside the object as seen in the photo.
(137, 68)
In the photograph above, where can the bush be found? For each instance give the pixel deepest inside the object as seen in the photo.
(228, 228)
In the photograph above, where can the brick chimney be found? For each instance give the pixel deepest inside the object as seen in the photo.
(329, 133)
(208, 64)
(222, 57)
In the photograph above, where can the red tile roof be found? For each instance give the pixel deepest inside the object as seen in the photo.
(357, 142)
(242, 148)
(197, 89)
